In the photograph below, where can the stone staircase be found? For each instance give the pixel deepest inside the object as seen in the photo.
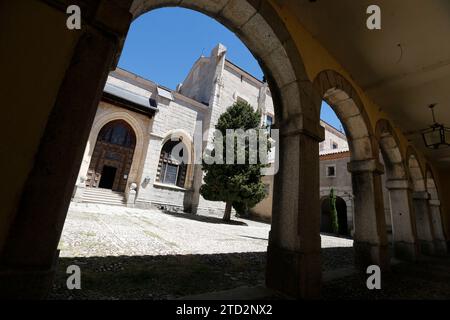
(103, 196)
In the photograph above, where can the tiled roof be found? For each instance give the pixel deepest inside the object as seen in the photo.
(334, 154)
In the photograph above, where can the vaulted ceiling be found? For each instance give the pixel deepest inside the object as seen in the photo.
(404, 67)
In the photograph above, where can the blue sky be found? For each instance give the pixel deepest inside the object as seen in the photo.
(163, 44)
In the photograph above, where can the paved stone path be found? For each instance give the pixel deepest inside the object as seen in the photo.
(148, 254)
(99, 230)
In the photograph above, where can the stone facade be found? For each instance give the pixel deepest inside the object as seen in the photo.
(212, 85)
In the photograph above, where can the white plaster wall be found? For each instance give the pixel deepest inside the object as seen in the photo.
(330, 137)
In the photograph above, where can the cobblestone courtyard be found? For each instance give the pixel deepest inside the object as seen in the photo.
(94, 230)
(149, 254)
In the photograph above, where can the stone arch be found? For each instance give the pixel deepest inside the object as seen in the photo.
(388, 144)
(430, 183)
(189, 144)
(342, 215)
(436, 218)
(263, 32)
(346, 103)
(295, 241)
(348, 198)
(140, 149)
(370, 238)
(421, 197)
(415, 170)
(398, 184)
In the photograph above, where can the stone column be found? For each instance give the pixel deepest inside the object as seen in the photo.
(370, 239)
(403, 220)
(28, 258)
(425, 232)
(294, 252)
(439, 237)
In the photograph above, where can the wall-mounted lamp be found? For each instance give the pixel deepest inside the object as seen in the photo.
(146, 180)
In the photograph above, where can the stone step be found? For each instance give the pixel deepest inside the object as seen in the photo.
(109, 203)
(103, 196)
(89, 197)
(104, 201)
(102, 191)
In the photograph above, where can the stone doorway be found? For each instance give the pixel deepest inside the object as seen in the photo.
(108, 177)
(112, 158)
(326, 218)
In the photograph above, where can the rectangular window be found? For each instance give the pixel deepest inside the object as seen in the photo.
(331, 171)
(269, 121)
(170, 174)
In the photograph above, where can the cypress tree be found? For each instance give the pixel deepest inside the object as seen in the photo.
(237, 185)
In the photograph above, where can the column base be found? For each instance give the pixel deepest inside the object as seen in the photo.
(294, 274)
(406, 251)
(441, 248)
(78, 193)
(367, 254)
(27, 283)
(427, 247)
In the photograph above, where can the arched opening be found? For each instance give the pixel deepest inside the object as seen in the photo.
(33, 232)
(441, 246)
(370, 247)
(335, 179)
(112, 157)
(326, 216)
(294, 247)
(386, 203)
(420, 199)
(172, 166)
(397, 189)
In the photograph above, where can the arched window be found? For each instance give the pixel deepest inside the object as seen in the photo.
(172, 165)
(119, 133)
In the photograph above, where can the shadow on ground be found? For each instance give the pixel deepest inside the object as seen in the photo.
(201, 218)
(159, 277)
(428, 279)
(171, 276)
(174, 276)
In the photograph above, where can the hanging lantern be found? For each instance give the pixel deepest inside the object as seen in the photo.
(437, 136)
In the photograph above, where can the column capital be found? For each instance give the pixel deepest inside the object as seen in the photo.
(369, 165)
(434, 203)
(421, 195)
(399, 184)
(290, 128)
